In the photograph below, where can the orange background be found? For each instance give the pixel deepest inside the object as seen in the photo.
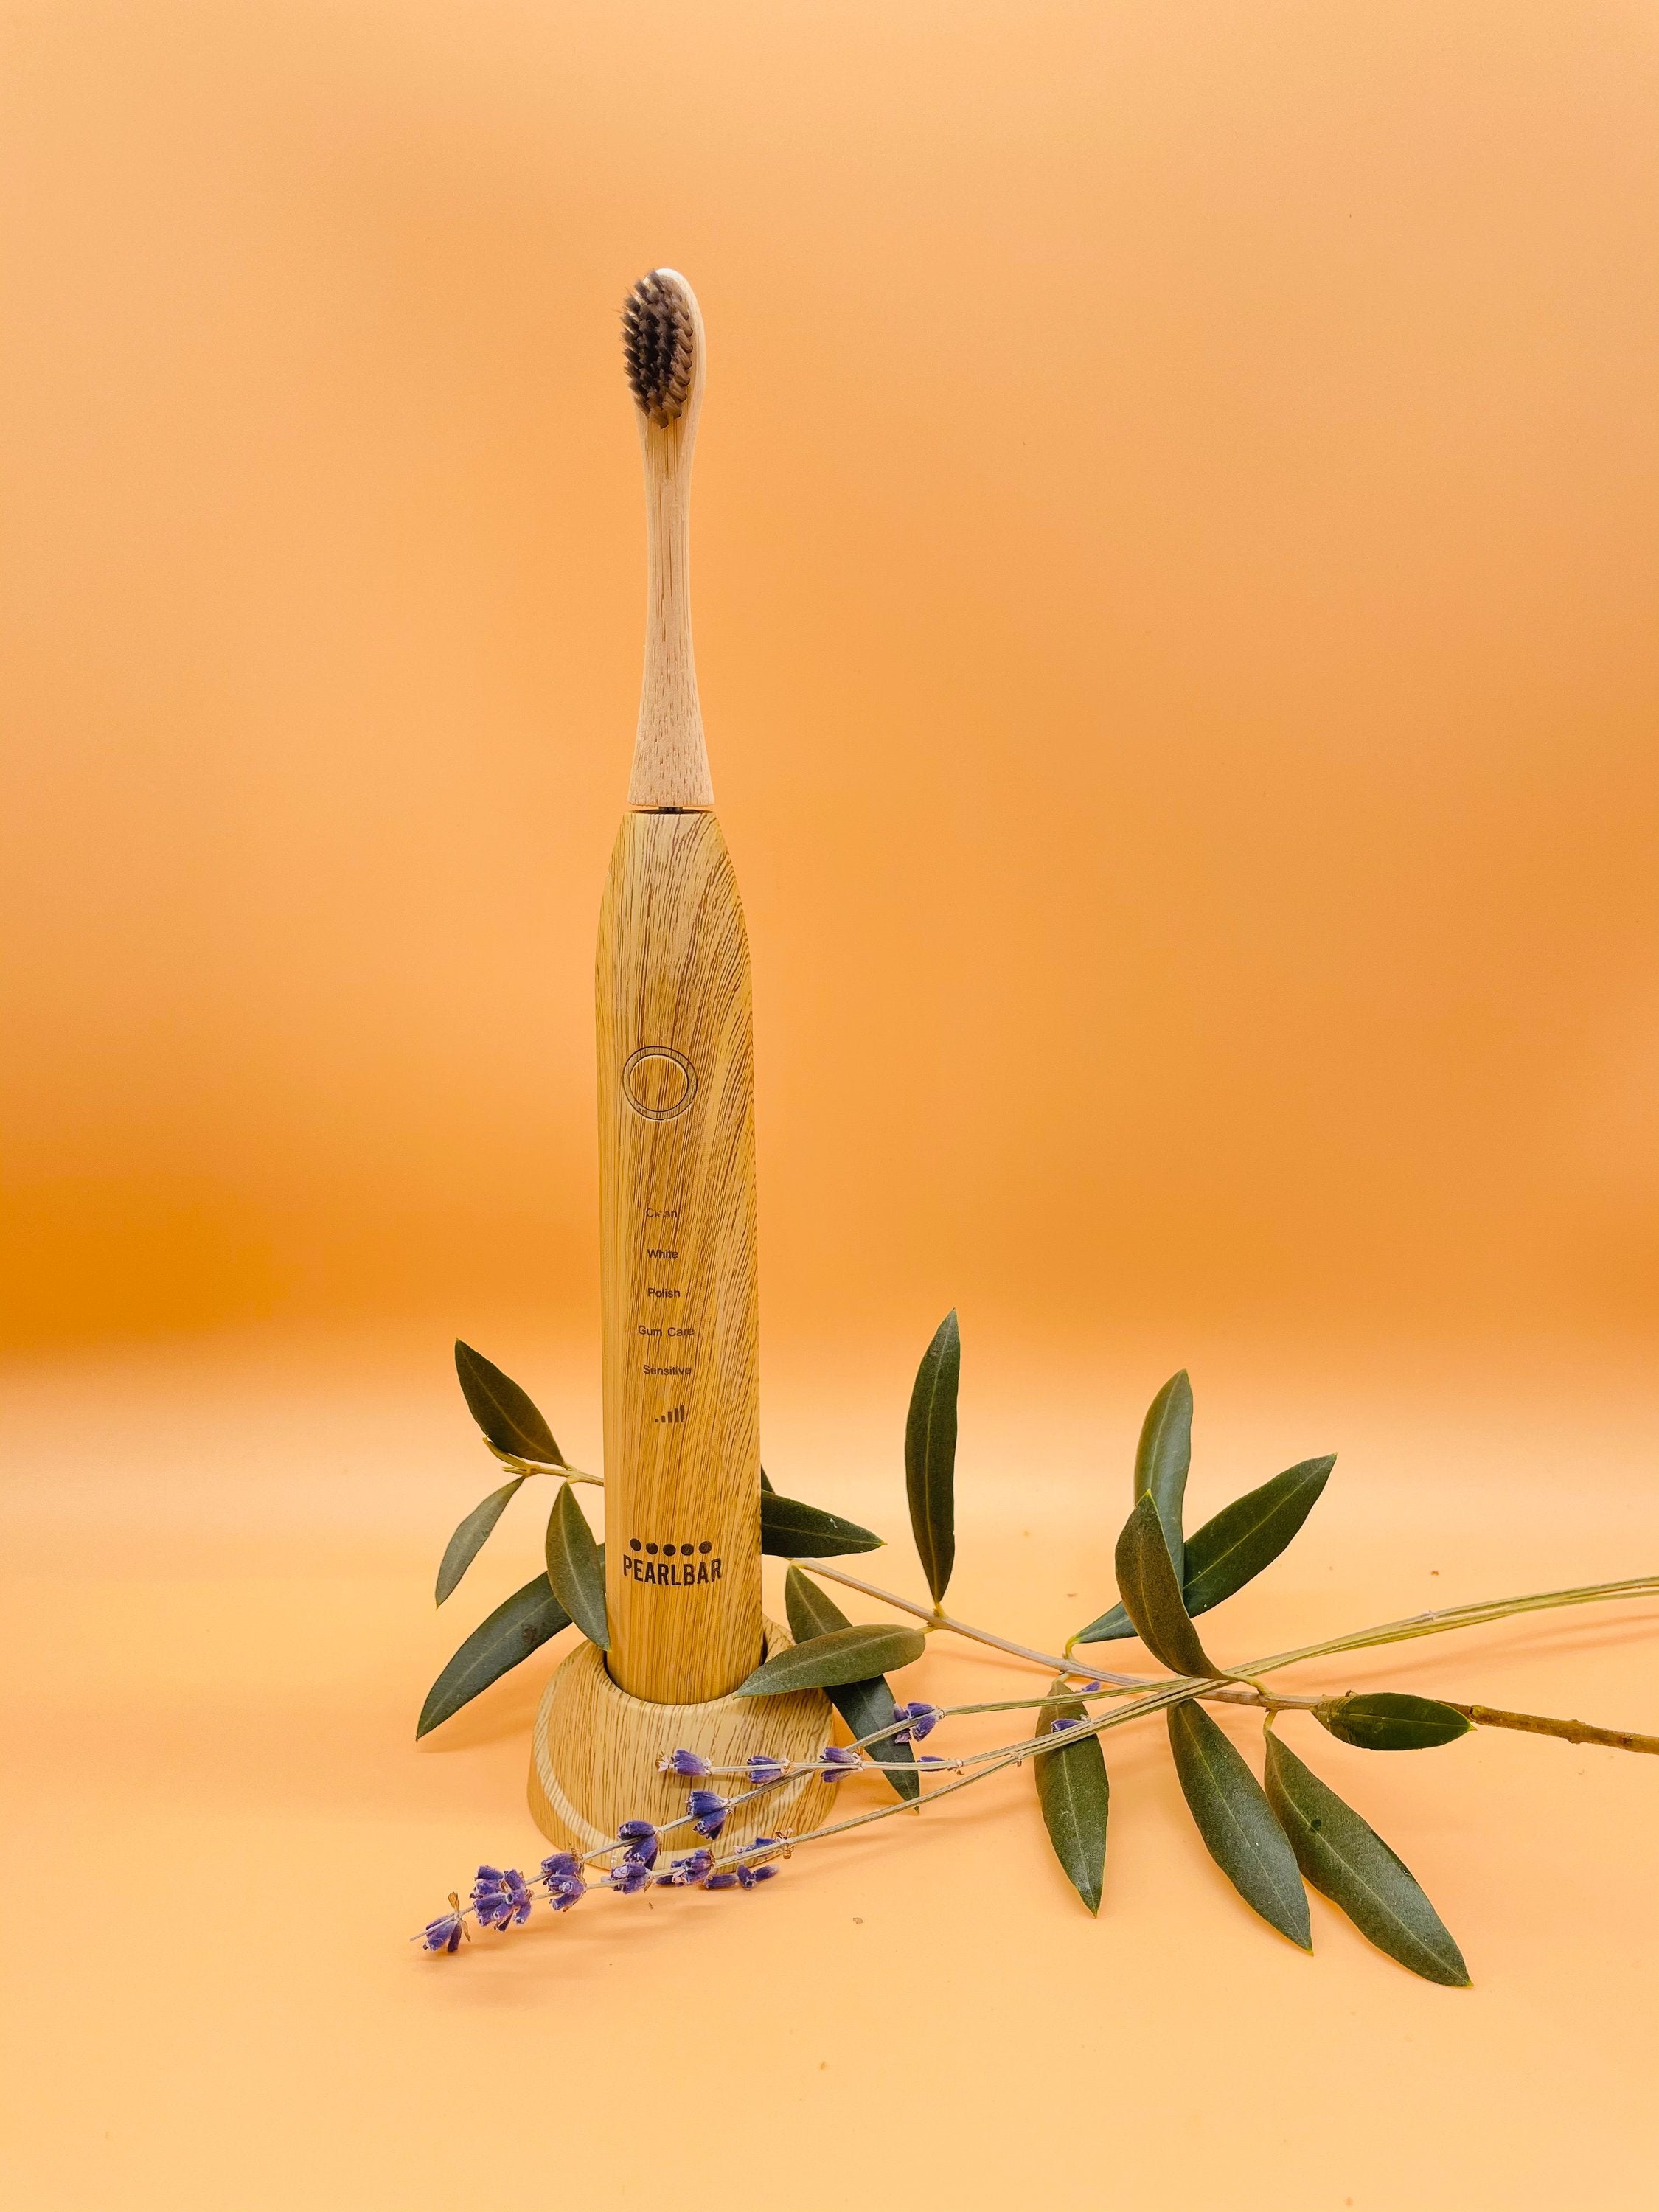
(1175, 579)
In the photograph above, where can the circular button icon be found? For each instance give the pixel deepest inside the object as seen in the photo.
(658, 1083)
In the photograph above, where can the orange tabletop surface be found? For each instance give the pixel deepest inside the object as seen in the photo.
(219, 1575)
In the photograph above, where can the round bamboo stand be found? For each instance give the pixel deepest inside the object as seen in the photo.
(594, 1749)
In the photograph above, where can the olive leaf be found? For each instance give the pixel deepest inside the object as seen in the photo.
(1389, 1720)
(1151, 1596)
(790, 1529)
(468, 1540)
(575, 1568)
(865, 1706)
(508, 1416)
(511, 1633)
(1237, 1822)
(766, 1485)
(1232, 1548)
(930, 1455)
(825, 1662)
(1075, 1798)
(1112, 1625)
(1249, 1534)
(1343, 1856)
(1163, 1456)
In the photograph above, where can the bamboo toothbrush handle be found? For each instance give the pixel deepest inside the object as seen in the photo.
(678, 1281)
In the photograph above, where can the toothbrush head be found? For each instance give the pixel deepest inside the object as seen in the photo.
(659, 346)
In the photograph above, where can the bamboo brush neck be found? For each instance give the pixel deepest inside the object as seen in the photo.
(670, 760)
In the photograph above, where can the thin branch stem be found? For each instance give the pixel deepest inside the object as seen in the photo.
(1459, 1616)
(1569, 1731)
(541, 1466)
(1223, 1693)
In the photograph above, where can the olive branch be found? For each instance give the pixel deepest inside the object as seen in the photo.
(1270, 1837)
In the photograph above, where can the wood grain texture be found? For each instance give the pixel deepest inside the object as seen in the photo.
(595, 1753)
(678, 1288)
(670, 760)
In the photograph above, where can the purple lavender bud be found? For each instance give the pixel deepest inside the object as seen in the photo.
(640, 1838)
(501, 1900)
(691, 1868)
(745, 1875)
(836, 1764)
(490, 1897)
(721, 1881)
(443, 1933)
(765, 1768)
(928, 1758)
(559, 1864)
(765, 1873)
(923, 1719)
(630, 1876)
(1065, 1721)
(682, 1762)
(709, 1811)
(564, 1890)
(1087, 1688)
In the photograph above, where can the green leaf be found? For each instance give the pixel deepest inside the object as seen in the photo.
(464, 1545)
(865, 1706)
(1249, 1534)
(1113, 1623)
(1349, 1861)
(930, 1455)
(512, 1632)
(1153, 1597)
(1163, 1456)
(825, 1662)
(506, 1413)
(792, 1530)
(1075, 1796)
(1237, 1822)
(766, 1484)
(1233, 1548)
(576, 1569)
(1389, 1720)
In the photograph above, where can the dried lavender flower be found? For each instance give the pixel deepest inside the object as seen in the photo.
(501, 1899)
(445, 1933)
(709, 1811)
(640, 1838)
(689, 1869)
(682, 1762)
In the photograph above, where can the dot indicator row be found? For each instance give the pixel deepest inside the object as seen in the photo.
(668, 1550)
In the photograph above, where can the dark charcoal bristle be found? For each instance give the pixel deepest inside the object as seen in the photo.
(660, 348)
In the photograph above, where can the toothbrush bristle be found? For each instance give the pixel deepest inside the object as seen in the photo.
(660, 348)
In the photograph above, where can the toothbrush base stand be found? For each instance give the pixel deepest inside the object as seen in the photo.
(594, 1750)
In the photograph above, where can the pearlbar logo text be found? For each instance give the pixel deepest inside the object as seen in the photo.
(670, 1566)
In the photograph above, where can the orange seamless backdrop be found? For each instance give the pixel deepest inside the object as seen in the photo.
(1175, 561)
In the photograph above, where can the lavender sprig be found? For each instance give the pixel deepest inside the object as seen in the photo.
(506, 1899)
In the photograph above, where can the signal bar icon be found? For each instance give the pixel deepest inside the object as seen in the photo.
(675, 1414)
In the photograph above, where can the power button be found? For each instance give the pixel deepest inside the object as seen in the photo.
(658, 1083)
